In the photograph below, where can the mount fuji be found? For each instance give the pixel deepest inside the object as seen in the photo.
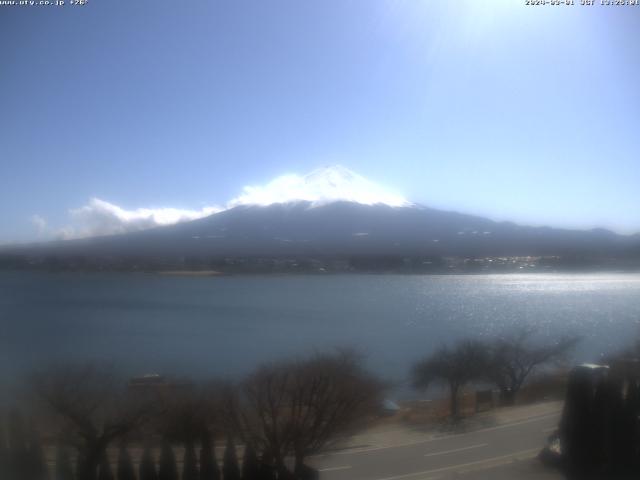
(333, 213)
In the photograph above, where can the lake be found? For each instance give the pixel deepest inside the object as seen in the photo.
(214, 326)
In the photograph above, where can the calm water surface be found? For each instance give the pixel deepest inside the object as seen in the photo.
(226, 325)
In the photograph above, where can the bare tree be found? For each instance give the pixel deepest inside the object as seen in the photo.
(512, 359)
(183, 415)
(91, 408)
(330, 396)
(258, 410)
(455, 367)
(300, 407)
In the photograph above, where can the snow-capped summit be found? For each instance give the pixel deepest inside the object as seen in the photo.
(320, 187)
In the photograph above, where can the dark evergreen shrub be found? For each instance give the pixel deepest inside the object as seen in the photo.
(18, 461)
(37, 464)
(189, 463)
(80, 465)
(87, 463)
(230, 468)
(104, 468)
(250, 464)
(208, 463)
(284, 474)
(305, 472)
(125, 465)
(267, 471)
(63, 469)
(168, 469)
(148, 469)
(599, 430)
(4, 453)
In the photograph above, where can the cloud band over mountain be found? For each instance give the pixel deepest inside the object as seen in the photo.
(321, 186)
(99, 217)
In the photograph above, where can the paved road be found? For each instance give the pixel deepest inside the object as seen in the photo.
(501, 452)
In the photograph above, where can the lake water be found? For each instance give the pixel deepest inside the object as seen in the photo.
(211, 326)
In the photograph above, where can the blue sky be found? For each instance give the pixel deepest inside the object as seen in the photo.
(519, 113)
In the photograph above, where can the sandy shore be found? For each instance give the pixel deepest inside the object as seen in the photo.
(191, 273)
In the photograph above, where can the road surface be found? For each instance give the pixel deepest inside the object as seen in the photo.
(505, 451)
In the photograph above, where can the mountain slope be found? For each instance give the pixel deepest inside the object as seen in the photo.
(343, 229)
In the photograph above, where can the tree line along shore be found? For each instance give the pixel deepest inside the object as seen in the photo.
(83, 422)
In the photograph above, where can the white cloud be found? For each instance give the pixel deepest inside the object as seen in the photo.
(40, 224)
(99, 217)
(322, 186)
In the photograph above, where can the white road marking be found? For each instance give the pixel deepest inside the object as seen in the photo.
(501, 458)
(433, 439)
(333, 469)
(480, 445)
